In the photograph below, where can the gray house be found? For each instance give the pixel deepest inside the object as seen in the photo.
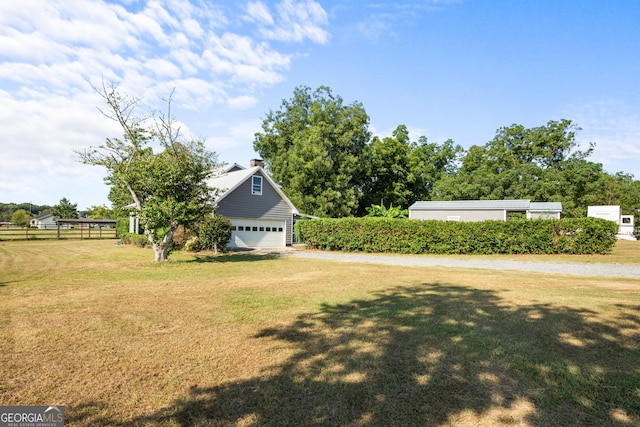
(481, 210)
(261, 215)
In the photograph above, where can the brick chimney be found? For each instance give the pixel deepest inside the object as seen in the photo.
(256, 162)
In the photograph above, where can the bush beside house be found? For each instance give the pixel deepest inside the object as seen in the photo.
(564, 236)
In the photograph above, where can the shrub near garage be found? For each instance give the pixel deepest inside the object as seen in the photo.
(214, 233)
(565, 236)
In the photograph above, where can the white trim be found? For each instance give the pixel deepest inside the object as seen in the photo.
(254, 191)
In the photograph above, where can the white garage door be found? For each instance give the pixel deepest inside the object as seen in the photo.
(257, 233)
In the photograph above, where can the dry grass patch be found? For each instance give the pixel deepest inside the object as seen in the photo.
(260, 340)
(625, 252)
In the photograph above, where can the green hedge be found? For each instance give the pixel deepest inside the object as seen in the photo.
(122, 225)
(565, 236)
(135, 239)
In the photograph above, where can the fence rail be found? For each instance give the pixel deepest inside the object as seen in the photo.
(81, 233)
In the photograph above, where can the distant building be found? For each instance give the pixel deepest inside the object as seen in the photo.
(44, 222)
(626, 226)
(482, 210)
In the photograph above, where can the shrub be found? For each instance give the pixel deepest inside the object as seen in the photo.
(135, 239)
(122, 227)
(568, 236)
(382, 211)
(192, 244)
(214, 233)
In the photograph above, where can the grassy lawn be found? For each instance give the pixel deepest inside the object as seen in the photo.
(253, 340)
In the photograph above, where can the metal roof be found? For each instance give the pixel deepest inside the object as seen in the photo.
(546, 207)
(472, 205)
(85, 221)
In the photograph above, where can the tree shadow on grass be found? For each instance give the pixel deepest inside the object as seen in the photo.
(233, 257)
(432, 355)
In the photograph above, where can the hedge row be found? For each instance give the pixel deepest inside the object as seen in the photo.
(564, 236)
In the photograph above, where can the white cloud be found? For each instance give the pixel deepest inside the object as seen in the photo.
(376, 27)
(40, 136)
(384, 17)
(242, 102)
(51, 52)
(615, 129)
(68, 44)
(294, 22)
(232, 140)
(259, 13)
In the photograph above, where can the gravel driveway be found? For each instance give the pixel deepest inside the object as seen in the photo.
(580, 269)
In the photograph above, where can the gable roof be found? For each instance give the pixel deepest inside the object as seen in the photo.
(232, 168)
(226, 183)
(43, 217)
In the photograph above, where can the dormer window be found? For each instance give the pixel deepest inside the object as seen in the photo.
(256, 185)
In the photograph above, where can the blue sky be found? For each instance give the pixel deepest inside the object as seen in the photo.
(444, 68)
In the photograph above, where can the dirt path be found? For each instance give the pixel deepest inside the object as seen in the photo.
(579, 269)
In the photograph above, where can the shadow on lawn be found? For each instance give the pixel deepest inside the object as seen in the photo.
(234, 257)
(429, 355)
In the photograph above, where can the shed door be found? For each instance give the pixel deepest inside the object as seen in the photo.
(257, 233)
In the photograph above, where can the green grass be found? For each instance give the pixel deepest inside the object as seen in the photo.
(247, 339)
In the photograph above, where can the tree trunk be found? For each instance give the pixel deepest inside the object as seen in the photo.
(161, 249)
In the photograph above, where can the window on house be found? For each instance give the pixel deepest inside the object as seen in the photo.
(256, 185)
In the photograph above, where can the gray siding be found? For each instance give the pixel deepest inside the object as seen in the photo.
(465, 215)
(242, 204)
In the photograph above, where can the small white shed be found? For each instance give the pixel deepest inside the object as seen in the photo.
(626, 223)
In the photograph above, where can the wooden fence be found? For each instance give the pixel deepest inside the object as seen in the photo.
(80, 231)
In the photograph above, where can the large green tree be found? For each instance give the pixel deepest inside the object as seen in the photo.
(402, 172)
(21, 218)
(541, 163)
(167, 185)
(65, 209)
(100, 212)
(313, 147)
